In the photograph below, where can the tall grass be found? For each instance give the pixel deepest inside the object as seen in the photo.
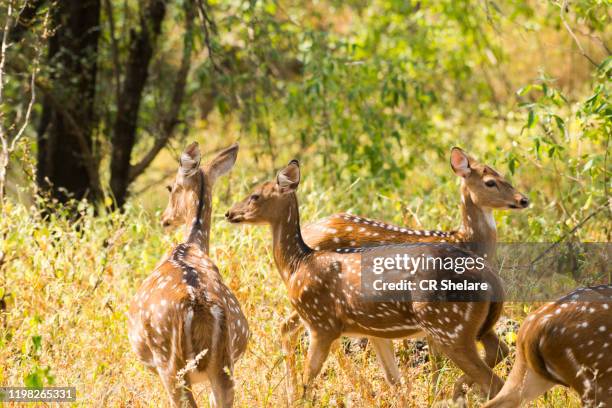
(67, 280)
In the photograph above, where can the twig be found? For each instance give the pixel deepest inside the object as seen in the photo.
(3, 48)
(26, 120)
(605, 169)
(109, 246)
(564, 8)
(579, 225)
(597, 39)
(178, 93)
(208, 26)
(153, 183)
(8, 142)
(414, 215)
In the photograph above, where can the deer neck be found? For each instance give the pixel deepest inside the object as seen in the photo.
(288, 246)
(199, 234)
(478, 225)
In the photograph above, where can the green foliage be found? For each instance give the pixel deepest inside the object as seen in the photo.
(556, 126)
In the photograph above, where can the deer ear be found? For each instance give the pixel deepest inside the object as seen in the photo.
(460, 162)
(189, 163)
(223, 162)
(288, 178)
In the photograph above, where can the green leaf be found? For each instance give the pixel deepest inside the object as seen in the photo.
(560, 123)
(37, 343)
(522, 91)
(532, 119)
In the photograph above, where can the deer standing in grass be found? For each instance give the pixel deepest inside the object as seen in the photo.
(482, 190)
(324, 288)
(184, 323)
(567, 342)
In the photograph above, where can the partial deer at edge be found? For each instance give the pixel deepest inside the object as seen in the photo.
(324, 287)
(567, 342)
(184, 323)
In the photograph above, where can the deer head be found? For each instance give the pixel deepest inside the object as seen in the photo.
(485, 186)
(268, 202)
(184, 191)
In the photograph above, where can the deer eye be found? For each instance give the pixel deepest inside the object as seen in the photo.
(490, 183)
(169, 188)
(254, 197)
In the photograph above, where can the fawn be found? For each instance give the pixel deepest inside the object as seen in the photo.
(482, 190)
(566, 342)
(183, 321)
(324, 288)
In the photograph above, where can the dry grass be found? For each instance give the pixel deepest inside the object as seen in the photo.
(70, 283)
(67, 284)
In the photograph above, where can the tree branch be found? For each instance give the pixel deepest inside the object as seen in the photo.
(141, 46)
(4, 137)
(114, 47)
(178, 93)
(564, 8)
(3, 48)
(593, 213)
(25, 18)
(8, 142)
(91, 164)
(209, 27)
(26, 119)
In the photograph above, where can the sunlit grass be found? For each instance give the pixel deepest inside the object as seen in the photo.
(68, 284)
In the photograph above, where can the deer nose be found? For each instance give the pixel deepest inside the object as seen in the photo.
(165, 223)
(227, 214)
(524, 202)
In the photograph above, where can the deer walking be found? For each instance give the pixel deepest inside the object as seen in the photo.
(324, 288)
(566, 342)
(183, 322)
(482, 190)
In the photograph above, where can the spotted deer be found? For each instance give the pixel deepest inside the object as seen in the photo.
(567, 342)
(482, 190)
(324, 288)
(184, 323)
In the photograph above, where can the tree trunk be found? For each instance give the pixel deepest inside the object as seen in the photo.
(66, 166)
(137, 71)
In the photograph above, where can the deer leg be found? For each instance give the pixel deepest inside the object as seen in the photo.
(523, 385)
(466, 357)
(495, 348)
(290, 330)
(180, 394)
(386, 358)
(495, 351)
(435, 360)
(222, 386)
(318, 350)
